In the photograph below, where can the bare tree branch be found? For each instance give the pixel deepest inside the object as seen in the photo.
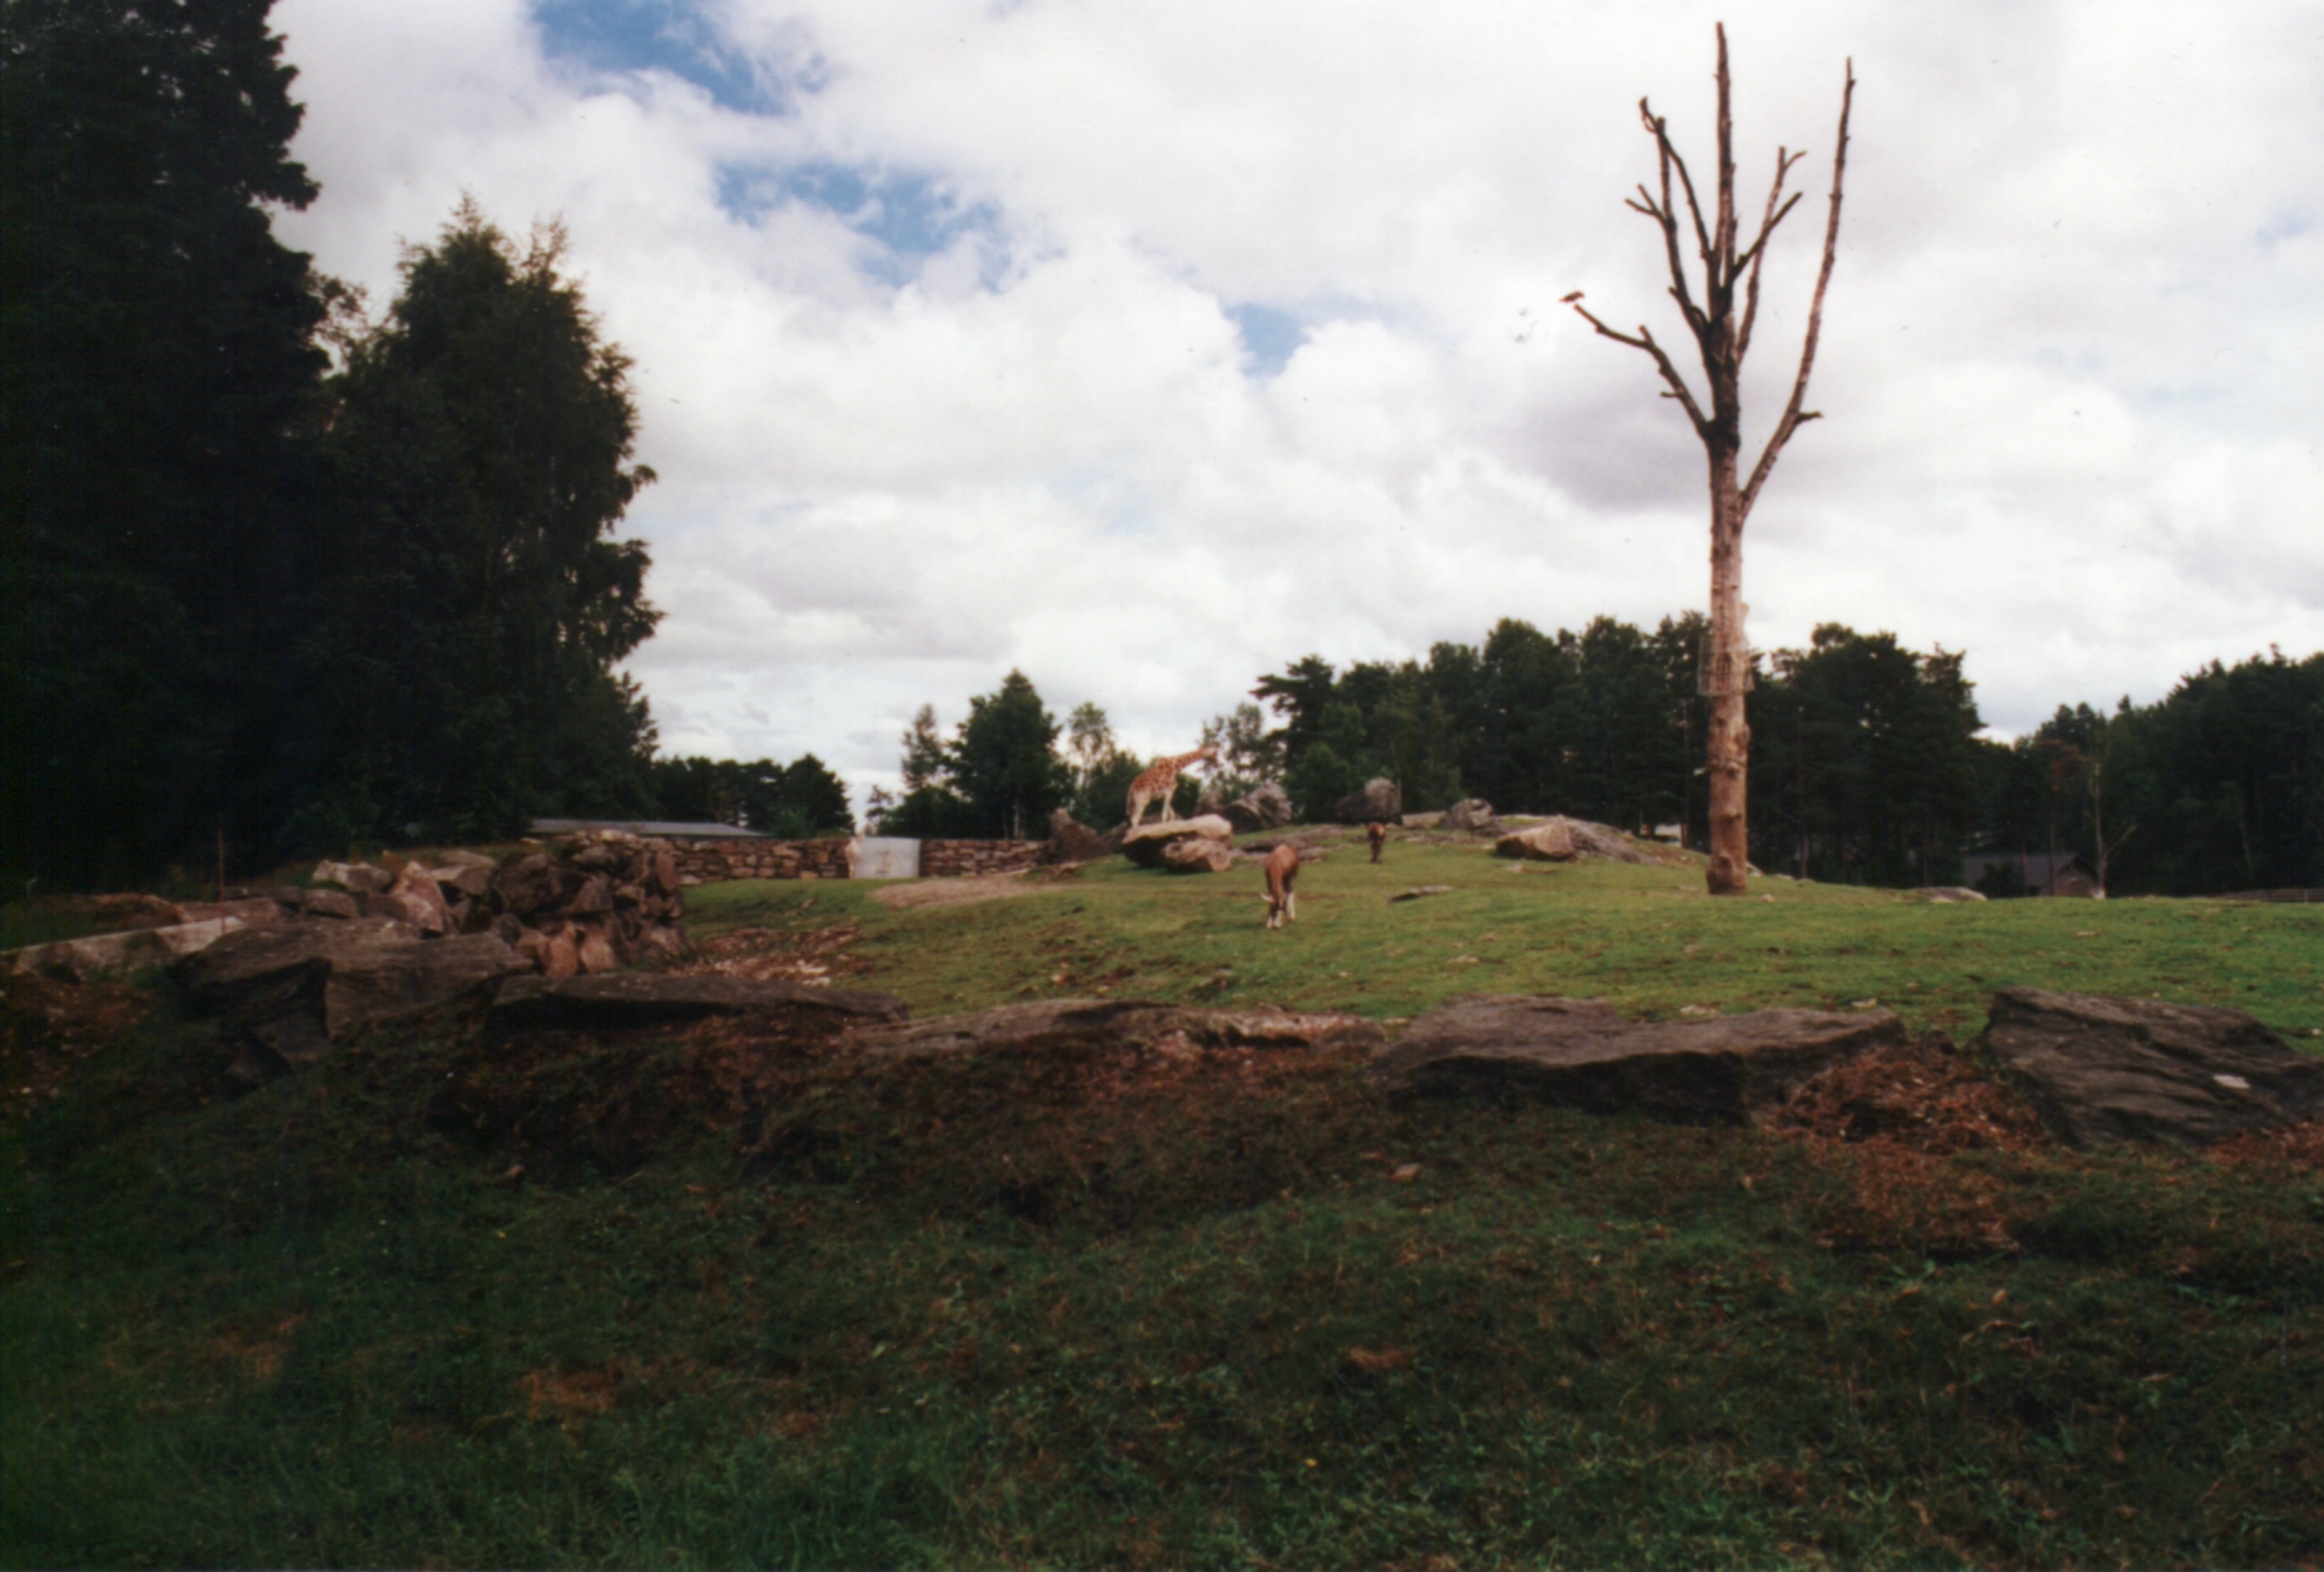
(1792, 417)
(1749, 260)
(1645, 341)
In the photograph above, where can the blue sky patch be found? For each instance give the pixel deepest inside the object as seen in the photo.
(910, 216)
(622, 36)
(1269, 336)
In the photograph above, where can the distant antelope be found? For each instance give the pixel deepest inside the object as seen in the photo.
(1378, 835)
(1282, 869)
(1159, 781)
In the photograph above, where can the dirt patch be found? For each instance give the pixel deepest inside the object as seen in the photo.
(905, 895)
(763, 955)
(1920, 1097)
(1891, 1123)
(2294, 1148)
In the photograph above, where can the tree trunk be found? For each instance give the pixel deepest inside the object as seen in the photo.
(1726, 674)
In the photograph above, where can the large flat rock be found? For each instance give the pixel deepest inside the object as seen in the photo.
(1143, 1023)
(641, 999)
(1579, 1053)
(2107, 1070)
(295, 990)
(131, 949)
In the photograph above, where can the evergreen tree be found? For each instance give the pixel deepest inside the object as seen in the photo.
(463, 671)
(158, 365)
(1005, 762)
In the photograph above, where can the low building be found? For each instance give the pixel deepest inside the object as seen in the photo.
(2038, 873)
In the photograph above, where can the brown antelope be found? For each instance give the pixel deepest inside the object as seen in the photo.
(1282, 869)
(1378, 835)
(1159, 781)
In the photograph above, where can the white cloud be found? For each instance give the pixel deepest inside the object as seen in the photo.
(2066, 368)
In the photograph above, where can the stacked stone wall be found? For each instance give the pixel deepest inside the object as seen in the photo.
(713, 861)
(708, 861)
(967, 858)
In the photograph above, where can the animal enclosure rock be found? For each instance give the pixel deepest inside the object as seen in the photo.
(2107, 1071)
(288, 993)
(1071, 840)
(1266, 807)
(1198, 854)
(638, 998)
(1142, 1023)
(1379, 802)
(1472, 815)
(1579, 1053)
(1146, 844)
(106, 954)
(1550, 842)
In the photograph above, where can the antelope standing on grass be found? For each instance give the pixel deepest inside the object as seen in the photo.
(1159, 781)
(1282, 869)
(1378, 835)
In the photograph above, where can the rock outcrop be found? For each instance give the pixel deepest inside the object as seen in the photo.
(1579, 1053)
(131, 949)
(1380, 802)
(2106, 1071)
(289, 993)
(1583, 837)
(1148, 845)
(1470, 815)
(1142, 1023)
(1265, 807)
(1550, 842)
(1071, 840)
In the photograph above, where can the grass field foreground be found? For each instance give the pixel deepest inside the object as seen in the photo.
(728, 1296)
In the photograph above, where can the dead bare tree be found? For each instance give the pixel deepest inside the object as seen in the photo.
(1723, 340)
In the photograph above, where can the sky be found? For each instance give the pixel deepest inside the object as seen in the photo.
(1148, 347)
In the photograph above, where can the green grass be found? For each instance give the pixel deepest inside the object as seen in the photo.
(1647, 938)
(747, 1303)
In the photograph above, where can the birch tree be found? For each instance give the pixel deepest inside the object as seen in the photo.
(1722, 337)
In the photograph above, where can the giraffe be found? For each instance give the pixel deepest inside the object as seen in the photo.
(1159, 781)
(1282, 868)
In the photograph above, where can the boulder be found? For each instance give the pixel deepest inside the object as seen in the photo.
(1579, 1053)
(530, 885)
(131, 949)
(639, 999)
(336, 903)
(1145, 844)
(470, 876)
(1472, 815)
(2106, 1071)
(361, 877)
(1071, 840)
(1265, 807)
(1142, 1023)
(290, 993)
(1198, 854)
(250, 911)
(412, 898)
(1550, 842)
(1380, 802)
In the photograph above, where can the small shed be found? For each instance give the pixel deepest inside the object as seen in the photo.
(2038, 873)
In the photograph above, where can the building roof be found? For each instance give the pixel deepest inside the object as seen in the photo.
(646, 827)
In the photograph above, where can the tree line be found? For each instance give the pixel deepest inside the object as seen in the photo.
(1869, 767)
(276, 573)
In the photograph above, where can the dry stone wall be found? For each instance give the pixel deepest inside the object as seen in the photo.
(967, 858)
(707, 861)
(713, 862)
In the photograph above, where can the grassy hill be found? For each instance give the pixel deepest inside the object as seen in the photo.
(726, 1296)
